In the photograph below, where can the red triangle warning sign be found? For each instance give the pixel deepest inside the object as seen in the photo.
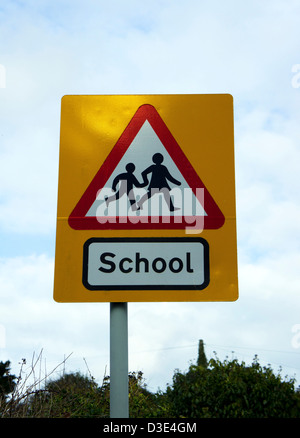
(146, 182)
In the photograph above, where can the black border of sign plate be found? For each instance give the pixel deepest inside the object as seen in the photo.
(146, 240)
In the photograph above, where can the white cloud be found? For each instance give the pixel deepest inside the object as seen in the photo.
(267, 159)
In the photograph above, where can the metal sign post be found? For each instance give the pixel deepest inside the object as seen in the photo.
(119, 404)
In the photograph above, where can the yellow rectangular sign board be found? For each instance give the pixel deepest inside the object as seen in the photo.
(146, 199)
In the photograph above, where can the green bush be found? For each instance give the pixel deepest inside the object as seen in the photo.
(7, 381)
(72, 395)
(143, 403)
(232, 390)
(215, 389)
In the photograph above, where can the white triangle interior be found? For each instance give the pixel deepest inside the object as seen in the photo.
(140, 152)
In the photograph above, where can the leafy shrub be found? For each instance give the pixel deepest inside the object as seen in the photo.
(234, 390)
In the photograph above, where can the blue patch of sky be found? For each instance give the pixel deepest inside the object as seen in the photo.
(14, 244)
(275, 119)
(142, 23)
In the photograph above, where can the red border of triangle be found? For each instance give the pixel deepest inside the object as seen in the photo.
(78, 219)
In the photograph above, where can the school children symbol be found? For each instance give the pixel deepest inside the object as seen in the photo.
(146, 182)
(160, 176)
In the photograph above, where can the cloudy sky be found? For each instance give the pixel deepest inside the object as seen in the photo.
(250, 49)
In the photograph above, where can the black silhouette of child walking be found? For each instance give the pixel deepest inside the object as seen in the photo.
(159, 182)
(127, 181)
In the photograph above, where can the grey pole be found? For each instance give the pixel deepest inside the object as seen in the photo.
(119, 404)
